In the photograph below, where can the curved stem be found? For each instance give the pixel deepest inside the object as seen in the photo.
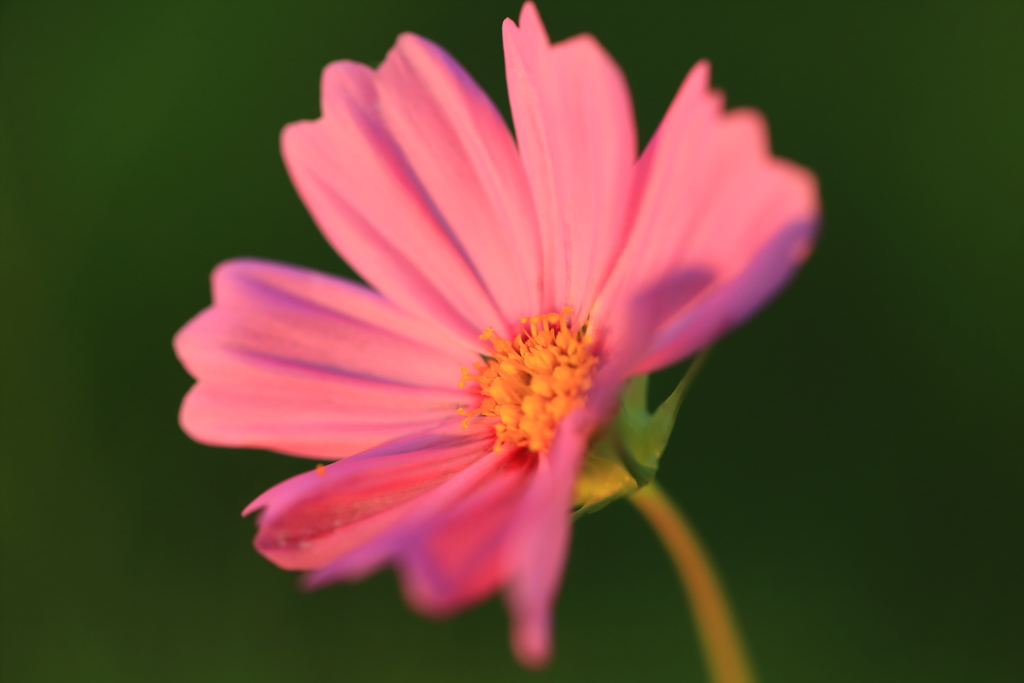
(723, 651)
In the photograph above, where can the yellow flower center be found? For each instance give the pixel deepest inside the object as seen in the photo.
(532, 382)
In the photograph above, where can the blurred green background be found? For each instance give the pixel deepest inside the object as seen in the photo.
(854, 457)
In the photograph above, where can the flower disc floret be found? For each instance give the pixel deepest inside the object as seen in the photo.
(531, 383)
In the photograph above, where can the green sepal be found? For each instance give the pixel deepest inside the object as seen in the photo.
(624, 456)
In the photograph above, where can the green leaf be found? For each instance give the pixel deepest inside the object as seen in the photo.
(624, 457)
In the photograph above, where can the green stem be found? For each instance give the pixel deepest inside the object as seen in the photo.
(723, 651)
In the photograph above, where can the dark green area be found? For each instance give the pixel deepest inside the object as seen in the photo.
(854, 457)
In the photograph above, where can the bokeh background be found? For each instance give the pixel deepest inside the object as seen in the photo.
(854, 457)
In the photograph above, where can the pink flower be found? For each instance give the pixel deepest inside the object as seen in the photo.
(565, 261)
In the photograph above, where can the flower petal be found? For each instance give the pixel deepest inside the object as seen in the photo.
(316, 517)
(360, 189)
(709, 196)
(307, 364)
(409, 522)
(503, 522)
(457, 559)
(463, 154)
(538, 543)
(538, 539)
(697, 325)
(574, 123)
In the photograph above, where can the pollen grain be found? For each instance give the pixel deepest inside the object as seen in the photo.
(529, 384)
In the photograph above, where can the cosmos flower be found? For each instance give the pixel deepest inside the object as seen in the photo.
(514, 286)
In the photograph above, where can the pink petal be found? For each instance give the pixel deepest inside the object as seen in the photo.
(503, 522)
(627, 340)
(538, 544)
(389, 541)
(710, 197)
(574, 122)
(697, 325)
(464, 156)
(303, 363)
(457, 559)
(314, 518)
(363, 191)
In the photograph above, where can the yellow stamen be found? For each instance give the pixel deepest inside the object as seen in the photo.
(321, 471)
(532, 382)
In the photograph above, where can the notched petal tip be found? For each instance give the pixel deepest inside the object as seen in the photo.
(192, 420)
(528, 34)
(531, 643)
(255, 506)
(699, 75)
(530, 21)
(287, 137)
(413, 45)
(313, 581)
(508, 26)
